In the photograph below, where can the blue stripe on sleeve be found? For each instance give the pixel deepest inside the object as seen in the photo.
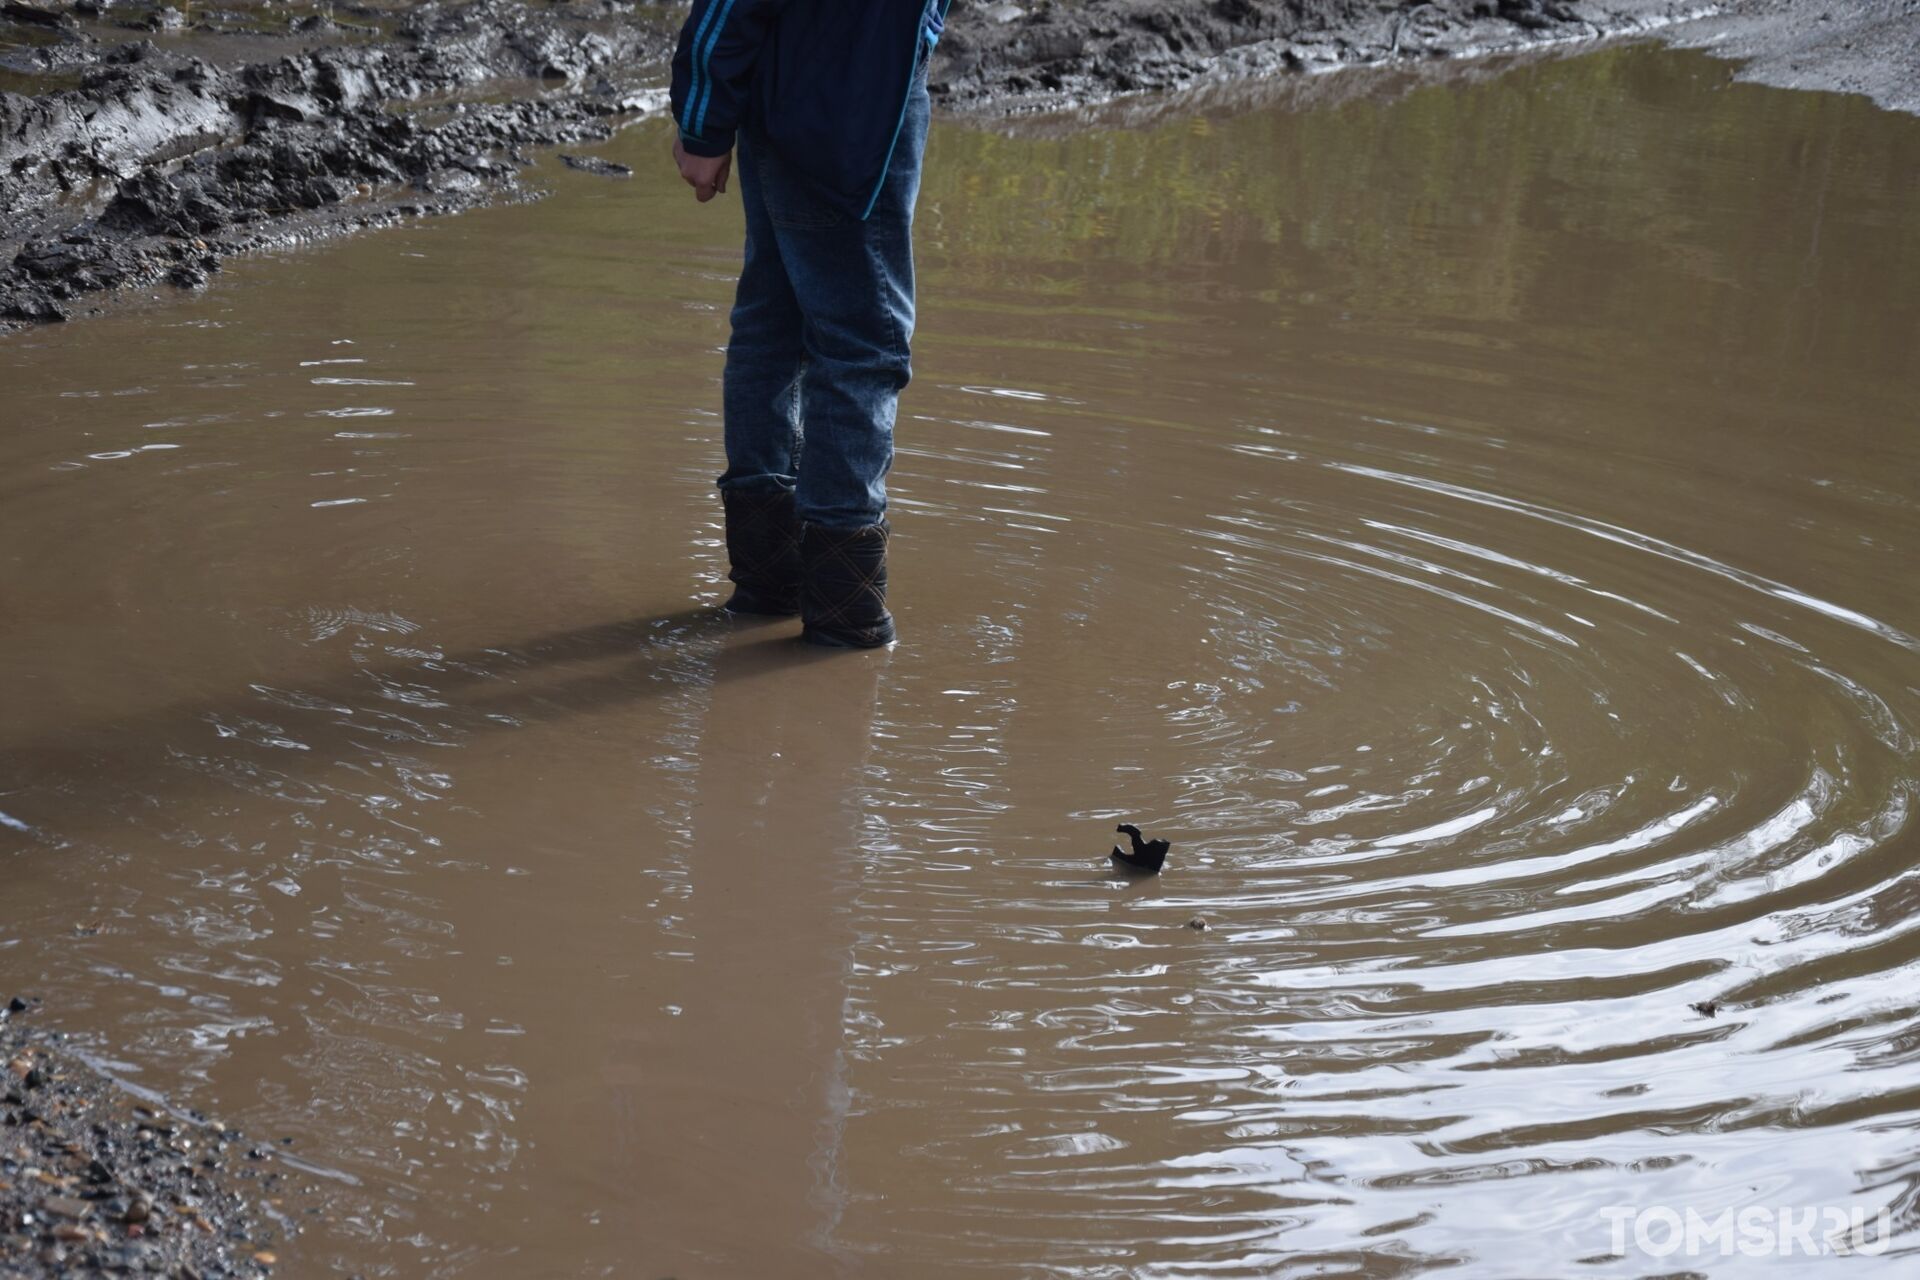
(706, 92)
(693, 87)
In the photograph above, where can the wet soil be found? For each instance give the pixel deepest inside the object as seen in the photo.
(95, 1180)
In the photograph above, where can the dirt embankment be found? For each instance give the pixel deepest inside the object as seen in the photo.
(144, 158)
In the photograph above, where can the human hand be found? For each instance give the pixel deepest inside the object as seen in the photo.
(707, 175)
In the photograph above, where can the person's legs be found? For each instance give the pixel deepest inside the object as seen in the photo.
(853, 280)
(761, 406)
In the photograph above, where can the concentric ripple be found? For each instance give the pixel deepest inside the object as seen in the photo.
(1511, 697)
(1482, 800)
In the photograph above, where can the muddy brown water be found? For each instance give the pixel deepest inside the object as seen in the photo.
(1478, 528)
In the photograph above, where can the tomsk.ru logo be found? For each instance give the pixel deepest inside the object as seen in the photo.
(1755, 1231)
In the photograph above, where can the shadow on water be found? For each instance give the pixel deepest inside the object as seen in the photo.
(278, 740)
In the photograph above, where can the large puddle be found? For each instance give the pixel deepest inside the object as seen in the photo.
(1479, 529)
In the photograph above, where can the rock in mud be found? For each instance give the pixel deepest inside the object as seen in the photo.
(594, 164)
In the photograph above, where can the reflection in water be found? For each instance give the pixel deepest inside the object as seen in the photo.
(746, 1087)
(1475, 527)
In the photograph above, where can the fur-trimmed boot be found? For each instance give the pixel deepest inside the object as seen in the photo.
(843, 602)
(763, 551)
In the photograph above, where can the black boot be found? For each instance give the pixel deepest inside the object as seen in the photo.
(844, 601)
(763, 551)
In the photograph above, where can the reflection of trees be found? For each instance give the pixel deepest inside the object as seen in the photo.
(1633, 190)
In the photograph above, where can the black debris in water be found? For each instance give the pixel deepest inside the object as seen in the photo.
(1146, 856)
(1705, 1008)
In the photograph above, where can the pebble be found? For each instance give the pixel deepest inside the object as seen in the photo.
(67, 1207)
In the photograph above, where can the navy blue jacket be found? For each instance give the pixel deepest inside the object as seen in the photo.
(824, 81)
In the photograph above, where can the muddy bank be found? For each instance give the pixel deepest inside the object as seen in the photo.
(1027, 54)
(252, 127)
(93, 1181)
(1040, 55)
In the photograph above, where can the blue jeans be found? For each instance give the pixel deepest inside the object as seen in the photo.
(822, 323)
